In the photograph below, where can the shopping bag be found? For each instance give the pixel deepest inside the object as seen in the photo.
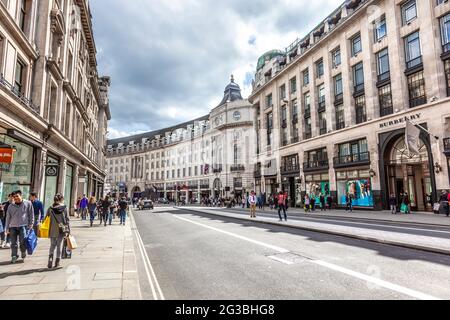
(403, 208)
(66, 253)
(1, 227)
(71, 242)
(44, 228)
(31, 242)
(436, 207)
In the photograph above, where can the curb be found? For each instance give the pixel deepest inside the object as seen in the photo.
(336, 233)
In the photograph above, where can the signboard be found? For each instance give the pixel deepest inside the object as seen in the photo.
(81, 180)
(51, 170)
(6, 158)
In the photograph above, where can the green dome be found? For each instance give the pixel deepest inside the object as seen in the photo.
(268, 56)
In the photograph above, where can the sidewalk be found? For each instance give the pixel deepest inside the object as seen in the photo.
(102, 268)
(439, 243)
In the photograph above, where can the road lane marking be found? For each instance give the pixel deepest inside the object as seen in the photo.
(280, 260)
(377, 281)
(278, 249)
(361, 276)
(148, 266)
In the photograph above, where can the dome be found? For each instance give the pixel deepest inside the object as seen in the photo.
(267, 57)
(232, 92)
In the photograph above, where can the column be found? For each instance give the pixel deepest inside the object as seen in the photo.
(62, 175)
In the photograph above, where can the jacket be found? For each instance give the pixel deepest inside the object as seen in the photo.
(57, 215)
(38, 211)
(20, 215)
(83, 203)
(392, 201)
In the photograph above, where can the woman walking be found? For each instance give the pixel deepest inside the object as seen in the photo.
(92, 207)
(59, 228)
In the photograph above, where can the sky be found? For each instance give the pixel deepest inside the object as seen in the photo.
(170, 61)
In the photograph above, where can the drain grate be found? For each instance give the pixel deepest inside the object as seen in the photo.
(289, 258)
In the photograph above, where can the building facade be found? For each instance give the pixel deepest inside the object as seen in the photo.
(54, 107)
(207, 157)
(332, 108)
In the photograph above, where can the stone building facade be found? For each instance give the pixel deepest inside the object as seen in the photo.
(54, 108)
(332, 108)
(209, 156)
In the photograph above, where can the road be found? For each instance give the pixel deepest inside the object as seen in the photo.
(196, 256)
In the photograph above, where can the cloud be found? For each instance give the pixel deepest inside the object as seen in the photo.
(170, 61)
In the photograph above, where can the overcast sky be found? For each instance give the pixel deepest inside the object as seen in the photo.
(170, 60)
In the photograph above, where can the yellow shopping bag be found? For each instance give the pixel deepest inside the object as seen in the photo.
(44, 228)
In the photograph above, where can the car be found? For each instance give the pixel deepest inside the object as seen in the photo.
(146, 204)
(163, 201)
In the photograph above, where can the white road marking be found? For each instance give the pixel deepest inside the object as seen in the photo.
(280, 260)
(361, 276)
(278, 249)
(379, 282)
(148, 267)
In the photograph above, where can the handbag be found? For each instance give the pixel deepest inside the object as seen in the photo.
(436, 207)
(403, 208)
(44, 228)
(66, 253)
(71, 242)
(63, 227)
(31, 242)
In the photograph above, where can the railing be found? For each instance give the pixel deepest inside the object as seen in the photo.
(447, 146)
(19, 95)
(315, 165)
(290, 169)
(351, 160)
(386, 111)
(237, 167)
(340, 125)
(217, 169)
(307, 135)
(417, 101)
(413, 63)
(361, 118)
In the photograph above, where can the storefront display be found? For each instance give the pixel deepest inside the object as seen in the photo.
(17, 175)
(317, 184)
(356, 183)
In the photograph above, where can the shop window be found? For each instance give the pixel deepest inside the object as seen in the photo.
(356, 183)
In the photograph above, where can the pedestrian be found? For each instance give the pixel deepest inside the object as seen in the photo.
(282, 205)
(312, 202)
(407, 203)
(307, 203)
(78, 207)
(19, 221)
(4, 236)
(123, 206)
(322, 202)
(38, 208)
(444, 203)
(59, 229)
(263, 201)
(244, 201)
(112, 208)
(393, 203)
(92, 208)
(349, 202)
(330, 202)
(252, 200)
(83, 207)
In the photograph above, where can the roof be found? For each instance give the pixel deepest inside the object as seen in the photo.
(151, 135)
(232, 92)
(268, 56)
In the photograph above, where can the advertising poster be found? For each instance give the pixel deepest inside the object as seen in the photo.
(360, 189)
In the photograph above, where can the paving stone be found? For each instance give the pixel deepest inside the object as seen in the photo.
(106, 294)
(107, 276)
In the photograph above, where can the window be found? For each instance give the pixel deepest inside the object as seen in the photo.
(358, 77)
(445, 33)
(305, 77)
(323, 123)
(360, 105)
(380, 29)
(338, 90)
(412, 50)
(385, 98)
(308, 128)
(353, 151)
(307, 99)
(356, 45)
(447, 75)
(283, 114)
(319, 68)
(409, 11)
(22, 15)
(293, 85)
(269, 101)
(18, 83)
(283, 92)
(269, 128)
(383, 65)
(340, 117)
(416, 88)
(294, 108)
(321, 96)
(336, 57)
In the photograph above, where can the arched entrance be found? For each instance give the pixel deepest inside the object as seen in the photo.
(217, 187)
(409, 173)
(136, 192)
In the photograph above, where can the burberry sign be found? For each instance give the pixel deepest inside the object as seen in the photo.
(400, 120)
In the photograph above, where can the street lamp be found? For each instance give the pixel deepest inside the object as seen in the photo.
(372, 173)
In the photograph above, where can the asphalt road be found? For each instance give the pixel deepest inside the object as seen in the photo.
(195, 256)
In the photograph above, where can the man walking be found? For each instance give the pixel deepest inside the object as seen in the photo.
(282, 199)
(19, 220)
(38, 208)
(5, 238)
(252, 201)
(84, 207)
(123, 206)
(393, 203)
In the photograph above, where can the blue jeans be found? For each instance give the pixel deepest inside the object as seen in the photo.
(123, 216)
(18, 234)
(282, 207)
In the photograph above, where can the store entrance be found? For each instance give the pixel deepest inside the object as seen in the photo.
(410, 174)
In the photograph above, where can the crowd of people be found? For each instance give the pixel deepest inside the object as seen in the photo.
(105, 209)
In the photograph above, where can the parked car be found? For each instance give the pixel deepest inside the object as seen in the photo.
(146, 205)
(163, 201)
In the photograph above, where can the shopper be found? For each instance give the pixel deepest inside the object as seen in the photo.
(444, 203)
(83, 207)
(407, 203)
(4, 237)
(92, 208)
(307, 203)
(59, 229)
(322, 202)
(393, 203)
(282, 205)
(123, 207)
(19, 221)
(252, 200)
(38, 208)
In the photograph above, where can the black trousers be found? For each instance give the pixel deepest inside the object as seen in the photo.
(282, 207)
